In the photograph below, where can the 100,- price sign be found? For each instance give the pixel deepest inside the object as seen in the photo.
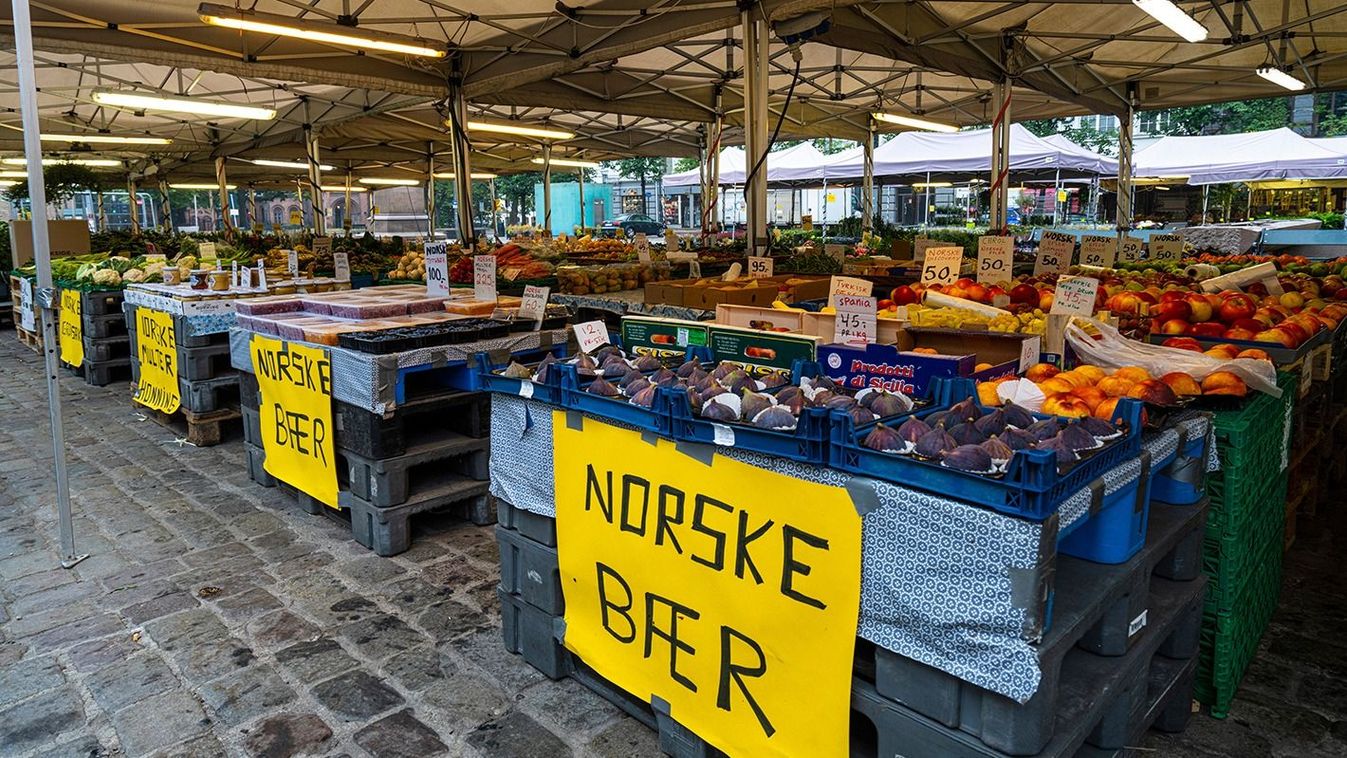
(941, 265)
(437, 269)
(995, 257)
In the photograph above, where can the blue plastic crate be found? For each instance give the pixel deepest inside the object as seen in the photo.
(1117, 530)
(1031, 488)
(808, 442)
(549, 391)
(1180, 479)
(656, 419)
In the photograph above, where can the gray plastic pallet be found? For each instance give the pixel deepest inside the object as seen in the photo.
(1099, 609)
(1087, 705)
(103, 373)
(101, 302)
(535, 526)
(250, 394)
(254, 459)
(209, 394)
(387, 530)
(376, 437)
(107, 349)
(103, 326)
(201, 363)
(252, 425)
(530, 570)
(391, 481)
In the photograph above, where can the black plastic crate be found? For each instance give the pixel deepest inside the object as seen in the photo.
(209, 394)
(101, 302)
(530, 570)
(421, 467)
(212, 361)
(539, 528)
(107, 349)
(102, 327)
(387, 530)
(419, 417)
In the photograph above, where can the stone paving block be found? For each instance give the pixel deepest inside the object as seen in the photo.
(370, 570)
(567, 706)
(280, 545)
(205, 746)
(141, 573)
(128, 682)
(485, 650)
(400, 735)
(95, 654)
(317, 660)
(356, 695)
(450, 620)
(414, 594)
(465, 701)
(135, 594)
(42, 580)
(160, 721)
(36, 721)
(626, 738)
(246, 694)
(206, 660)
(184, 629)
(287, 735)
(255, 524)
(77, 746)
(416, 668)
(55, 597)
(247, 604)
(76, 632)
(281, 628)
(159, 606)
(28, 625)
(517, 736)
(28, 677)
(381, 636)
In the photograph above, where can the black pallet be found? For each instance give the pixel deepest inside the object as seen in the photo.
(252, 425)
(102, 302)
(539, 528)
(1088, 707)
(1098, 608)
(1166, 706)
(376, 437)
(197, 364)
(250, 394)
(101, 327)
(387, 531)
(107, 349)
(210, 394)
(530, 570)
(392, 481)
(103, 373)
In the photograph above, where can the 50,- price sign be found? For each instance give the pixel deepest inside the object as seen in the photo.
(1166, 247)
(941, 265)
(1099, 251)
(855, 322)
(1129, 249)
(995, 257)
(1054, 253)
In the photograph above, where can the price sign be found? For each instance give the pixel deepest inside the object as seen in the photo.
(1129, 251)
(206, 251)
(671, 240)
(919, 247)
(759, 267)
(642, 247)
(27, 317)
(511, 273)
(807, 222)
(1029, 352)
(1054, 253)
(846, 285)
(1166, 247)
(534, 303)
(591, 335)
(1075, 296)
(694, 269)
(484, 277)
(322, 247)
(1097, 251)
(437, 269)
(296, 218)
(941, 265)
(855, 321)
(292, 262)
(341, 264)
(261, 275)
(995, 257)
(836, 252)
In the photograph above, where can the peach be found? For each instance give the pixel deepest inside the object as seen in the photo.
(1106, 409)
(1182, 384)
(1055, 386)
(1153, 391)
(1224, 383)
(1041, 371)
(1115, 386)
(982, 367)
(987, 394)
(1133, 373)
(1066, 405)
(1094, 373)
(1092, 396)
(1074, 379)
(1254, 353)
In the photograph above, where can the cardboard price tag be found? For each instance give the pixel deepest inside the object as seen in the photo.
(759, 267)
(1075, 296)
(642, 248)
(341, 264)
(292, 263)
(1129, 250)
(996, 255)
(484, 277)
(1029, 352)
(591, 335)
(856, 320)
(206, 251)
(1166, 247)
(807, 222)
(27, 313)
(322, 246)
(534, 303)
(1054, 253)
(919, 247)
(846, 285)
(941, 265)
(1098, 251)
(437, 269)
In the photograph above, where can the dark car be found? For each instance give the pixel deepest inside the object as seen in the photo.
(630, 224)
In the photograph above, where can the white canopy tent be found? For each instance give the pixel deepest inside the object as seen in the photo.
(1276, 154)
(782, 166)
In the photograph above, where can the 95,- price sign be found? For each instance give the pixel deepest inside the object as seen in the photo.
(941, 265)
(855, 321)
(1054, 253)
(759, 267)
(995, 257)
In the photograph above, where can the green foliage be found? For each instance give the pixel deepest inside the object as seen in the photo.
(62, 180)
(643, 169)
(1044, 127)
(1230, 118)
(6, 254)
(686, 164)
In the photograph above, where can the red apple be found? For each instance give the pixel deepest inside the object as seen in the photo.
(1236, 333)
(1171, 295)
(1208, 329)
(1252, 324)
(1279, 335)
(1173, 326)
(1237, 307)
(904, 295)
(1202, 310)
(1183, 343)
(1025, 294)
(1171, 310)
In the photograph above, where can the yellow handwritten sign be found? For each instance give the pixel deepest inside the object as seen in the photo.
(72, 329)
(728, 591)
(296, 415)
(157, 354)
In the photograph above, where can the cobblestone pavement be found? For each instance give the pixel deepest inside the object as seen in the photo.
(215, 618)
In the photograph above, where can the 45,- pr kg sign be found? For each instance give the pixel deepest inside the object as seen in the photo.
(296, 415)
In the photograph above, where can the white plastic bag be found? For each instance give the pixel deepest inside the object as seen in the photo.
(1112, 350)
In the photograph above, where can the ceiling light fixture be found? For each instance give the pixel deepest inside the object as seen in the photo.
(1281, 78)
(342, 188)
(13, 174)
(287, 164)
(202, 186)
(924, 185)
(567, 162)
(90, 162)
(140, 102)
(914, 122)
(518, 129)
(474, 175)
(386, 182)
(1173, 17)
(106, 139)
(314, 31)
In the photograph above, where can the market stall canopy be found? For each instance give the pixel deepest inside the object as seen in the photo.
(1105, 165)
(1275, 154)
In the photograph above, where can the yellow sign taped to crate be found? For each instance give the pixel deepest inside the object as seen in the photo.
(157, 357)
(728, 591)
(295, 383)
(72, 329)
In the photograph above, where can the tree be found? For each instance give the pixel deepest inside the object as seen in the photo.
(517, 192)
(1044, 127)
(643, 169)
(1230, 118)
(686, 164)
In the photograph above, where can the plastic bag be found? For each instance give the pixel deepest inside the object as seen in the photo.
(1112, 350)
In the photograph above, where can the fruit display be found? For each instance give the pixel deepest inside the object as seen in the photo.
(1089, 390)
(728, 394)
(598, 280)
(99, 271)
(411, 266)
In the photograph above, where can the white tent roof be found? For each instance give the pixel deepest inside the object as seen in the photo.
(1107, 166)
(782, 166)
(1335, 144)
(1253, 156)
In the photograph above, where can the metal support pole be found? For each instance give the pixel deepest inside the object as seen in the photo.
(495, 216)
(1206, 191)
(1125, 184)
(221, 180)
(868, 179)
(547, 188)
(430, 188)
(460, 151)
(255, 219)
(102, 214)
(299, 193)
(346, 203)
(1056, 195)
(710, 219)
(756, 42)
(926, 201)
(315, 178)
(132, 190)
(1000, 188)
(580, 177)
(165, 207)
(37, 194)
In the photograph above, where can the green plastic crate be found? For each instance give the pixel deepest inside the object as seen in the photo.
(1229, 641)
(1250, 444)
(1235, 563)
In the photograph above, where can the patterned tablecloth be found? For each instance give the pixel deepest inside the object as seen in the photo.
(943, 582)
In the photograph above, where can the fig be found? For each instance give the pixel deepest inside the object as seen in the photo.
(840, 403)
(890, 404)
(934, 444)
(1075, 437)
(614, 366)
(695, 401)
(723, 369)
(602, 387)
(1045, 429)
(607, 351)
(736, 381)
(820, 398)
(937, 418)
(629, 377)
(867, 396)
(965, 410)
(775, 417)
(885, 440)
(633, 387)
(696, 377)
(1017, 439)
(753, 403)
(860, 415)
(967, 434)
(706, 383)
(796, 403)
(585, 365)
(999, 451)
(647, 363)
(646, 397)
(718, 411)
(912, 430)
(823, 381)
(517, 370)
(773, 379)
(1065, 455)
(1017, 416)
(786, 393)
(1099, 428)
(689, 366)
(992, 423)
(664, 377)
(970, 458)
(540, 375)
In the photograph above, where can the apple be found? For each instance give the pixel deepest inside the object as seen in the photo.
(1172, 310)
(1255, 354)
(1278, 335)
(1025, 294)
(1209, 329)
(1201, 307)
(1045, 299)
(1236, 333)
(1252, 324)
(1173, 326)
(977, 293)
(904, 295)
(1183, 343)
(1169, 296)
(1236, 307)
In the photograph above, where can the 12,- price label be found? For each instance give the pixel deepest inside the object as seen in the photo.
(591, 335)
(1054, 253)
(1075, 296)
(341, 264)
(1166, 247)
(484, 277)
(995, 257)
(759, 267)
(1129, 249)
(847, 285)
(437, 269)
(941, 265)
(642, 248)
(534, 303)
(855, 323)
(1098, 251)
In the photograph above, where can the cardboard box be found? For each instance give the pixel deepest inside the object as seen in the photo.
(760, 351)
(708, 296)
(797, 322)
(897, 369)
(68, 237)
(707, 293)
(662, 337)
(824, 325)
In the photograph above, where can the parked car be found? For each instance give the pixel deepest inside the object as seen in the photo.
(630, 224)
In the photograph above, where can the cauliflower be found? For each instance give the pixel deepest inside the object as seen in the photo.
(133, 275)
(107, 276)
